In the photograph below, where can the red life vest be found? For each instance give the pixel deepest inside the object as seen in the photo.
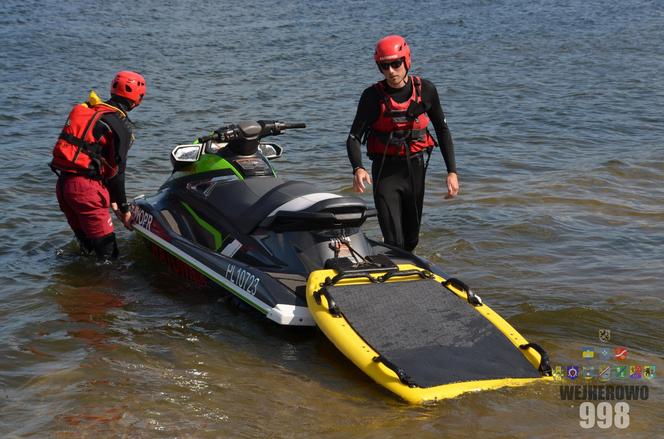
(395, 127)
(77, 151)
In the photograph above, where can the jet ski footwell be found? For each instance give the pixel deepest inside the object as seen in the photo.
(420, 336)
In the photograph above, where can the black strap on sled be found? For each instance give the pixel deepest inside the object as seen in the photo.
(391, 272)
(544, 366)
(331, 304)
(424, 274)
(472, 298)
(403, 376)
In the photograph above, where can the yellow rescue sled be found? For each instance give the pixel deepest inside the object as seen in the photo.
(422, 337)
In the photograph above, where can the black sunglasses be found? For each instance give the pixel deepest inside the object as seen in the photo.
(394, 64)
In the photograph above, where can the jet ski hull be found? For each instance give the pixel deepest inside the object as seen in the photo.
(200, 267)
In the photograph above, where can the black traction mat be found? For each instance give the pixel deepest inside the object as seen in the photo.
(429, 333)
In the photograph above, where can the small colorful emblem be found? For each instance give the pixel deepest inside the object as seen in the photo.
(620, 353)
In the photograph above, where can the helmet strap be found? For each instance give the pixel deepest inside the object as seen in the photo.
(405, 77)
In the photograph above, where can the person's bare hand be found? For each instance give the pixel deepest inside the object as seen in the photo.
(361, 176)
(125, 217)
(452, 185)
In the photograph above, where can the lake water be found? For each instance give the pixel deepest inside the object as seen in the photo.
(556, 110)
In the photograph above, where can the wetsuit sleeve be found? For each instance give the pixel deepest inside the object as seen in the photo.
(116, 188)
(435, 112)
(116, 185)
(367, 113)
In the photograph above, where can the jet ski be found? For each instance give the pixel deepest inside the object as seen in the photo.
(298, 256)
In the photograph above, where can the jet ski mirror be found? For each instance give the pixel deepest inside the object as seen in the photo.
(271, 151)
(185, 154)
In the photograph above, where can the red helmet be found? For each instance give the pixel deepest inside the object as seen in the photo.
(392, 47)
(129, 85)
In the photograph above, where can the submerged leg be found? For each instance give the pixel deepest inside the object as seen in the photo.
(106, 248)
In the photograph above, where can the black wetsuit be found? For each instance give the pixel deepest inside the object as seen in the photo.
(399, 188)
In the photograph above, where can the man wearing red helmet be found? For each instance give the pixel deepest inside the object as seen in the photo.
(90, 158)
(392, 118)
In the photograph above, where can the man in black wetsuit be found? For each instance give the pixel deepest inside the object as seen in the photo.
(90, 158)
(392, 117)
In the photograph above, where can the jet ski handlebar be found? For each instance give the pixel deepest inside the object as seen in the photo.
(249, 131)
(280, 126)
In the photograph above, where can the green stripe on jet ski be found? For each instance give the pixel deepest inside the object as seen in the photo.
(207, 226)
(212, 162)
(202, 270)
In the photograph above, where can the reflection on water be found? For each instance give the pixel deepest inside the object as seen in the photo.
(89, 310)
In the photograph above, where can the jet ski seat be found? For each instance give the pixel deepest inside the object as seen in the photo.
(247, 203)
(318, 211)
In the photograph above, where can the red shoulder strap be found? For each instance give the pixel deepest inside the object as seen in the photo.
(417, 84)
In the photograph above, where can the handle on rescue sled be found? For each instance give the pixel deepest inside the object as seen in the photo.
(391, 272)
(403, 376)
(545, 365)
(472, 298)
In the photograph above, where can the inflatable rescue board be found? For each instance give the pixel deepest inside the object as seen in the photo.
(422, 337)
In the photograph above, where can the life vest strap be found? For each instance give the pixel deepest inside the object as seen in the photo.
(400, 136)
(91, 149)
